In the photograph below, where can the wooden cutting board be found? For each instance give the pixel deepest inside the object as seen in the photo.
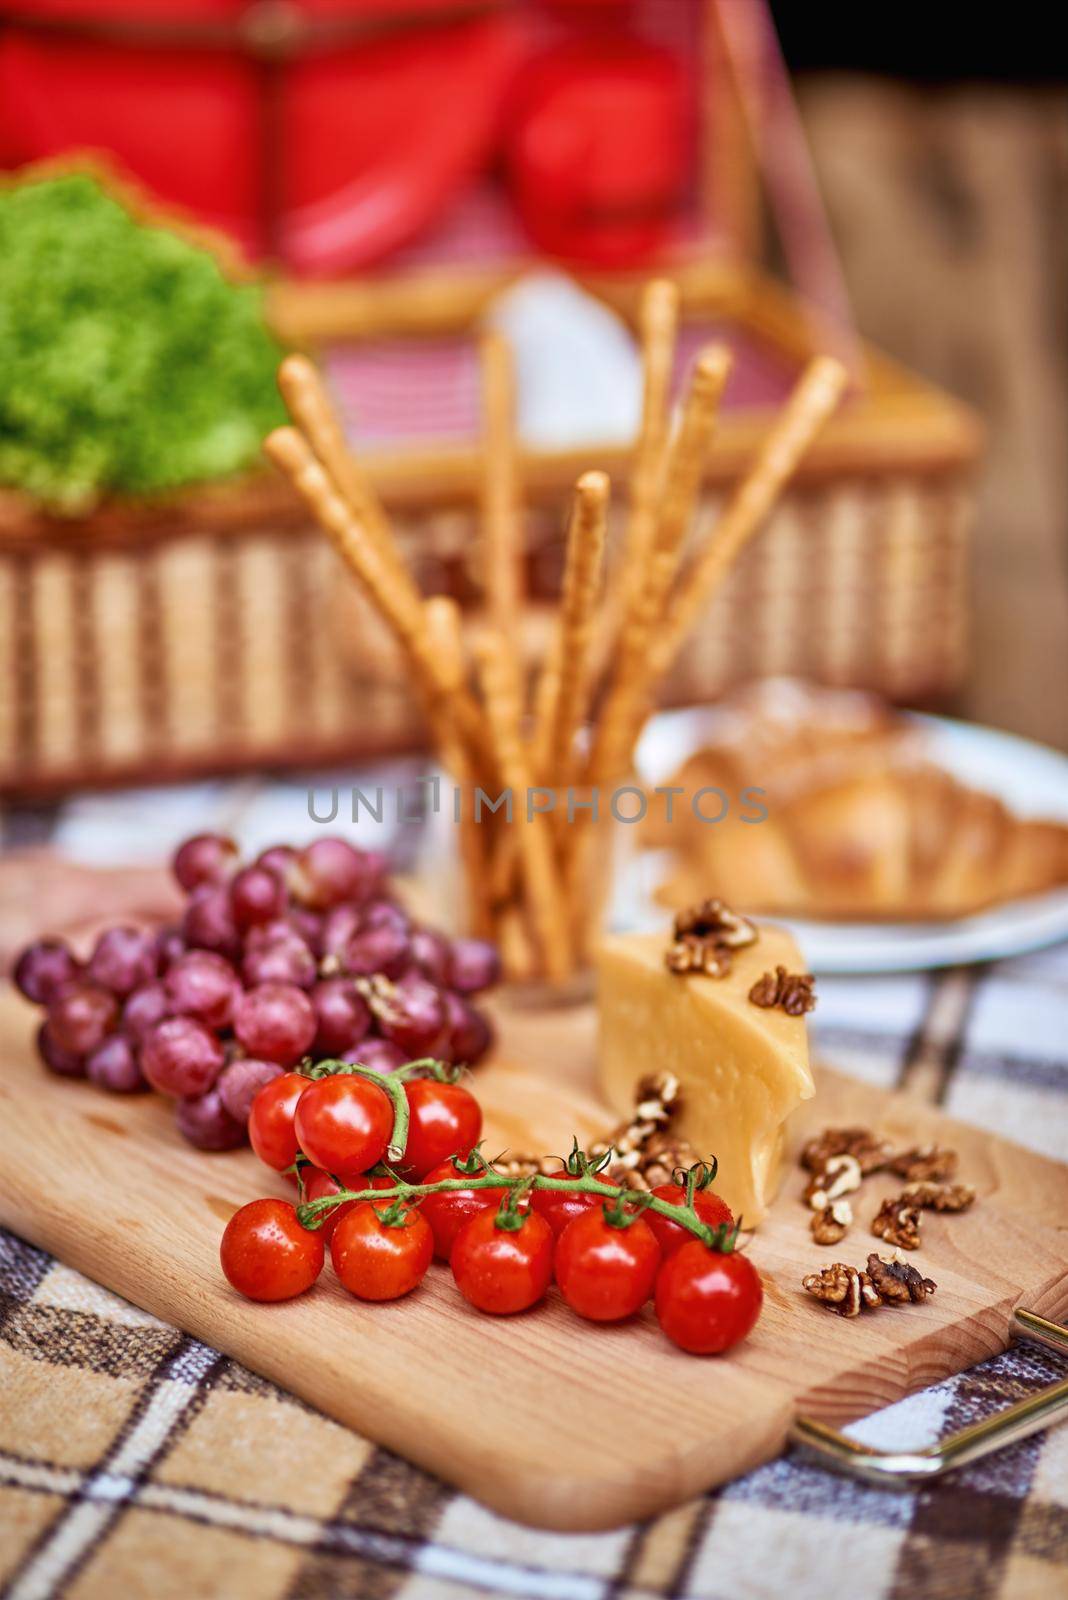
(543, 1417)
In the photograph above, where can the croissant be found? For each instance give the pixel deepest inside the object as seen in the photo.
(860, 823)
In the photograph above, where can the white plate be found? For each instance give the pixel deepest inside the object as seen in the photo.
(1030, 778)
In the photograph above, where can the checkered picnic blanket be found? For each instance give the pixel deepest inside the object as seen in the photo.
(136, 1461)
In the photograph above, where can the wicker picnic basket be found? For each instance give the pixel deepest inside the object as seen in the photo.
(218, 632)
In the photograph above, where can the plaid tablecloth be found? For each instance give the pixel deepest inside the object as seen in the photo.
(136, 1461)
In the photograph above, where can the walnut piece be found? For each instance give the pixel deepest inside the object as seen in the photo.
(925, 1164)
(644, 1150)
(870, 1152)
(841, 1175)
(714, 920)
(660, 1160)
(831, 1225)
(846, 1290)
(896, 1282)
(939, 1196)
(691, 953)
(792, 992)
(898, 1223)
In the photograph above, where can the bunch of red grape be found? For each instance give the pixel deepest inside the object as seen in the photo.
(304, 953)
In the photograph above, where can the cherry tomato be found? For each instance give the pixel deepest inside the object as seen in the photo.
(267, 1255)
(706, 1300)
(446, 1120)
(447, 1212)
(343, 1125)
(605, 1272)
(558, 1207)
(270, 1121)
(671, 1236)
(379, 1260)
(317, 1184)
(503, 1270)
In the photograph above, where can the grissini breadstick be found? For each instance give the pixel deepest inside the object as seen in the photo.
(815, 396)
(517, 956)
(684, 471)
(290, 451)
(446, 635)
(502, 532)
(548, 912)
(658, 319)
(309, 405)
(567, 692)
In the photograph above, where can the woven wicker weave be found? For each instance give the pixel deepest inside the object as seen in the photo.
(210, 650)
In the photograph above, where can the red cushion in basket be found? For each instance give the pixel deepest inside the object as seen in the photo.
(376, 137)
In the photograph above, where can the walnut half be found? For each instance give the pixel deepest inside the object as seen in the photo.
(898, 1223)
(689, 952)
(792, 992)
(870, 1152)
(939, 1196)
(831, 1225)
(714, 919)
(841, 1175)
(897, 1281)
(846, 1290)
(924, 1164)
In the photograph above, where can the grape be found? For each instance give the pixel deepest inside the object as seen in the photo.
(376, 1053)
(286, 960)
(256, 896)
(342, 1014)
(240, 1082)
(42, 968)
(204, 1121)
(122, 959)
(208, 923)
(470, 1033)
(383, 949)
(309, 925)
(113, 1065)
(66, 1062)
(265, 934)
(327, 872)
(430, 952)
(181, 1057)
(81, 1015)
(202, 985)
(279, 859)
(473, 965)
(206, 858)
(143, 1009)
(386, 914)
(338, 927)
(275, 1021)
(413, 1017)
(169, 946)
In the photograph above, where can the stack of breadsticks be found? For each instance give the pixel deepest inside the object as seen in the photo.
(530, 866)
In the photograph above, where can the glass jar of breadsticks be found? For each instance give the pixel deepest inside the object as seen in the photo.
(537, 754)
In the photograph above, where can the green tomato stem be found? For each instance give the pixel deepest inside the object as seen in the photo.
(579, 1178)
(313, 1212)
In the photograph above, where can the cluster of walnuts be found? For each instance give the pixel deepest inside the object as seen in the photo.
(838, 1161)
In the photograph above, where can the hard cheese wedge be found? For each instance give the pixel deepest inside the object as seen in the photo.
(741, 1069)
